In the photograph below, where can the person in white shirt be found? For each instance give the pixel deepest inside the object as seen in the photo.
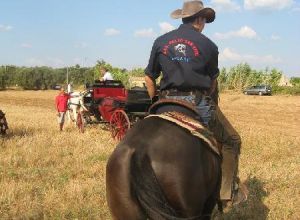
(105, 75)
(70, 88)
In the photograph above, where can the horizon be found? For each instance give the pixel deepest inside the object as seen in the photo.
(61, 34)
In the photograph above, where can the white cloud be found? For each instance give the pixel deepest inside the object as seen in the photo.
(4, 28)
(81, 45)
(230, 55)
(26, 45)
(111, 32)
(275, 37)
(244, 32)
(145, 33)
(225, 5)
(165, 27)
(267, 4)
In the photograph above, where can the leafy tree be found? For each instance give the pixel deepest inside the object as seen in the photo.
(222, 79)
(137, 72)
(295, 81)
(3, 81)
(274, 77)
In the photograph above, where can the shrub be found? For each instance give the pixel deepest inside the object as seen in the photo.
(286, 90)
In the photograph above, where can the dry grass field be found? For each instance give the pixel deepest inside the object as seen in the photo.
(45, 174)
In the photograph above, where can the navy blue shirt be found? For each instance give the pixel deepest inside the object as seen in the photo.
(187, 59)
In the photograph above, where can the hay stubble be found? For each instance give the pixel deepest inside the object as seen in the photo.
(45, 174)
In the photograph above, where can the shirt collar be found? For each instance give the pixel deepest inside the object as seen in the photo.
(187, 26)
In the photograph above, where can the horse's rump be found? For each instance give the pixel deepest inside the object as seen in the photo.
(172, 174)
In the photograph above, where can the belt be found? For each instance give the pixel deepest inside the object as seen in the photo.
(175, 92)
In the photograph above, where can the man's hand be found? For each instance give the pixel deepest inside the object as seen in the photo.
(151, 86)
(57, 114)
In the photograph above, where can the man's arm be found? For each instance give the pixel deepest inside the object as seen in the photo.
(213, 70)
(212, 87)
(151, 86)
(152, 71)
(56, 105)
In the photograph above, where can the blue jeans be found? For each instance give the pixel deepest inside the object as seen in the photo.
(203, 105)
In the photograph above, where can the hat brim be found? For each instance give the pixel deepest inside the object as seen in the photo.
(207, 13)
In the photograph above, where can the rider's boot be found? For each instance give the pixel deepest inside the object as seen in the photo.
(232, 191)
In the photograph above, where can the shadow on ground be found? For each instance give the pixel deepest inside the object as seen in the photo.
(253, 208)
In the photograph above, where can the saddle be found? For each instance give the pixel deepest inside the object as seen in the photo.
(184, 115)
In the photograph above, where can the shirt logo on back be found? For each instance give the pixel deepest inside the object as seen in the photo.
(181, 48)
(177, 50)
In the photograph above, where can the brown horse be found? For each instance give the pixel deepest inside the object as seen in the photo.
(160, 171)
(3, 123)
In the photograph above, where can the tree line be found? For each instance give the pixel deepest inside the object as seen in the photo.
(235, 78)
(41, 78)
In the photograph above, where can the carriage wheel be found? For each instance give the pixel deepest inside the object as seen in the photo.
(79, 122)
(119, 124)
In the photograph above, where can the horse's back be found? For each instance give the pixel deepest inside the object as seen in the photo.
(185, 169)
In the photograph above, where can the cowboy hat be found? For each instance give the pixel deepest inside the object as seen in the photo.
(192, 8)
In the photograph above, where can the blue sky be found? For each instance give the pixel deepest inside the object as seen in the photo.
(264, 33)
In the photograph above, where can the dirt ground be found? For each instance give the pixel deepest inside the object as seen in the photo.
(45, 174)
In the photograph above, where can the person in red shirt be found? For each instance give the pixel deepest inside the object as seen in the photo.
(61, 103)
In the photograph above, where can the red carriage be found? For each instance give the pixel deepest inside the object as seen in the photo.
(111, 102)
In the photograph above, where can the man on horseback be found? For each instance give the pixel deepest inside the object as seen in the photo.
(188, 61)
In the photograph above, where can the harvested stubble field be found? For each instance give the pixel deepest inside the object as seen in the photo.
(45, 174)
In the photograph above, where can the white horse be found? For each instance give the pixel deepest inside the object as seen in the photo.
(75, 104)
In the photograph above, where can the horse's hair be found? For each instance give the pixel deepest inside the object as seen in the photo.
(3, 123)
(148, 190)
(1, 114)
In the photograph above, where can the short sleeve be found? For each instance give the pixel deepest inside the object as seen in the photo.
(154, 68)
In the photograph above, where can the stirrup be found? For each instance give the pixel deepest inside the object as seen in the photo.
(239, 195)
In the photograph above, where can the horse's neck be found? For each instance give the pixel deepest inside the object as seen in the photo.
(75, 93)
(76, 98)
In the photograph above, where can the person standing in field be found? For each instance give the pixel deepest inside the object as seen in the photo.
(105, 74)
(61, 104)
(188, 62)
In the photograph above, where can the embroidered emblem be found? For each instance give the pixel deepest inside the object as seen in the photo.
(181, 48)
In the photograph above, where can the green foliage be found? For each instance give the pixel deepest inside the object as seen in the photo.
(44, 77)
(235, 78)
(295, 81)
(117, 73)
(2, 78)
(137, 72)
(242, 76)
(286, 90)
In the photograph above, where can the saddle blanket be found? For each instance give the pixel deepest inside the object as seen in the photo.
(194, 126)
